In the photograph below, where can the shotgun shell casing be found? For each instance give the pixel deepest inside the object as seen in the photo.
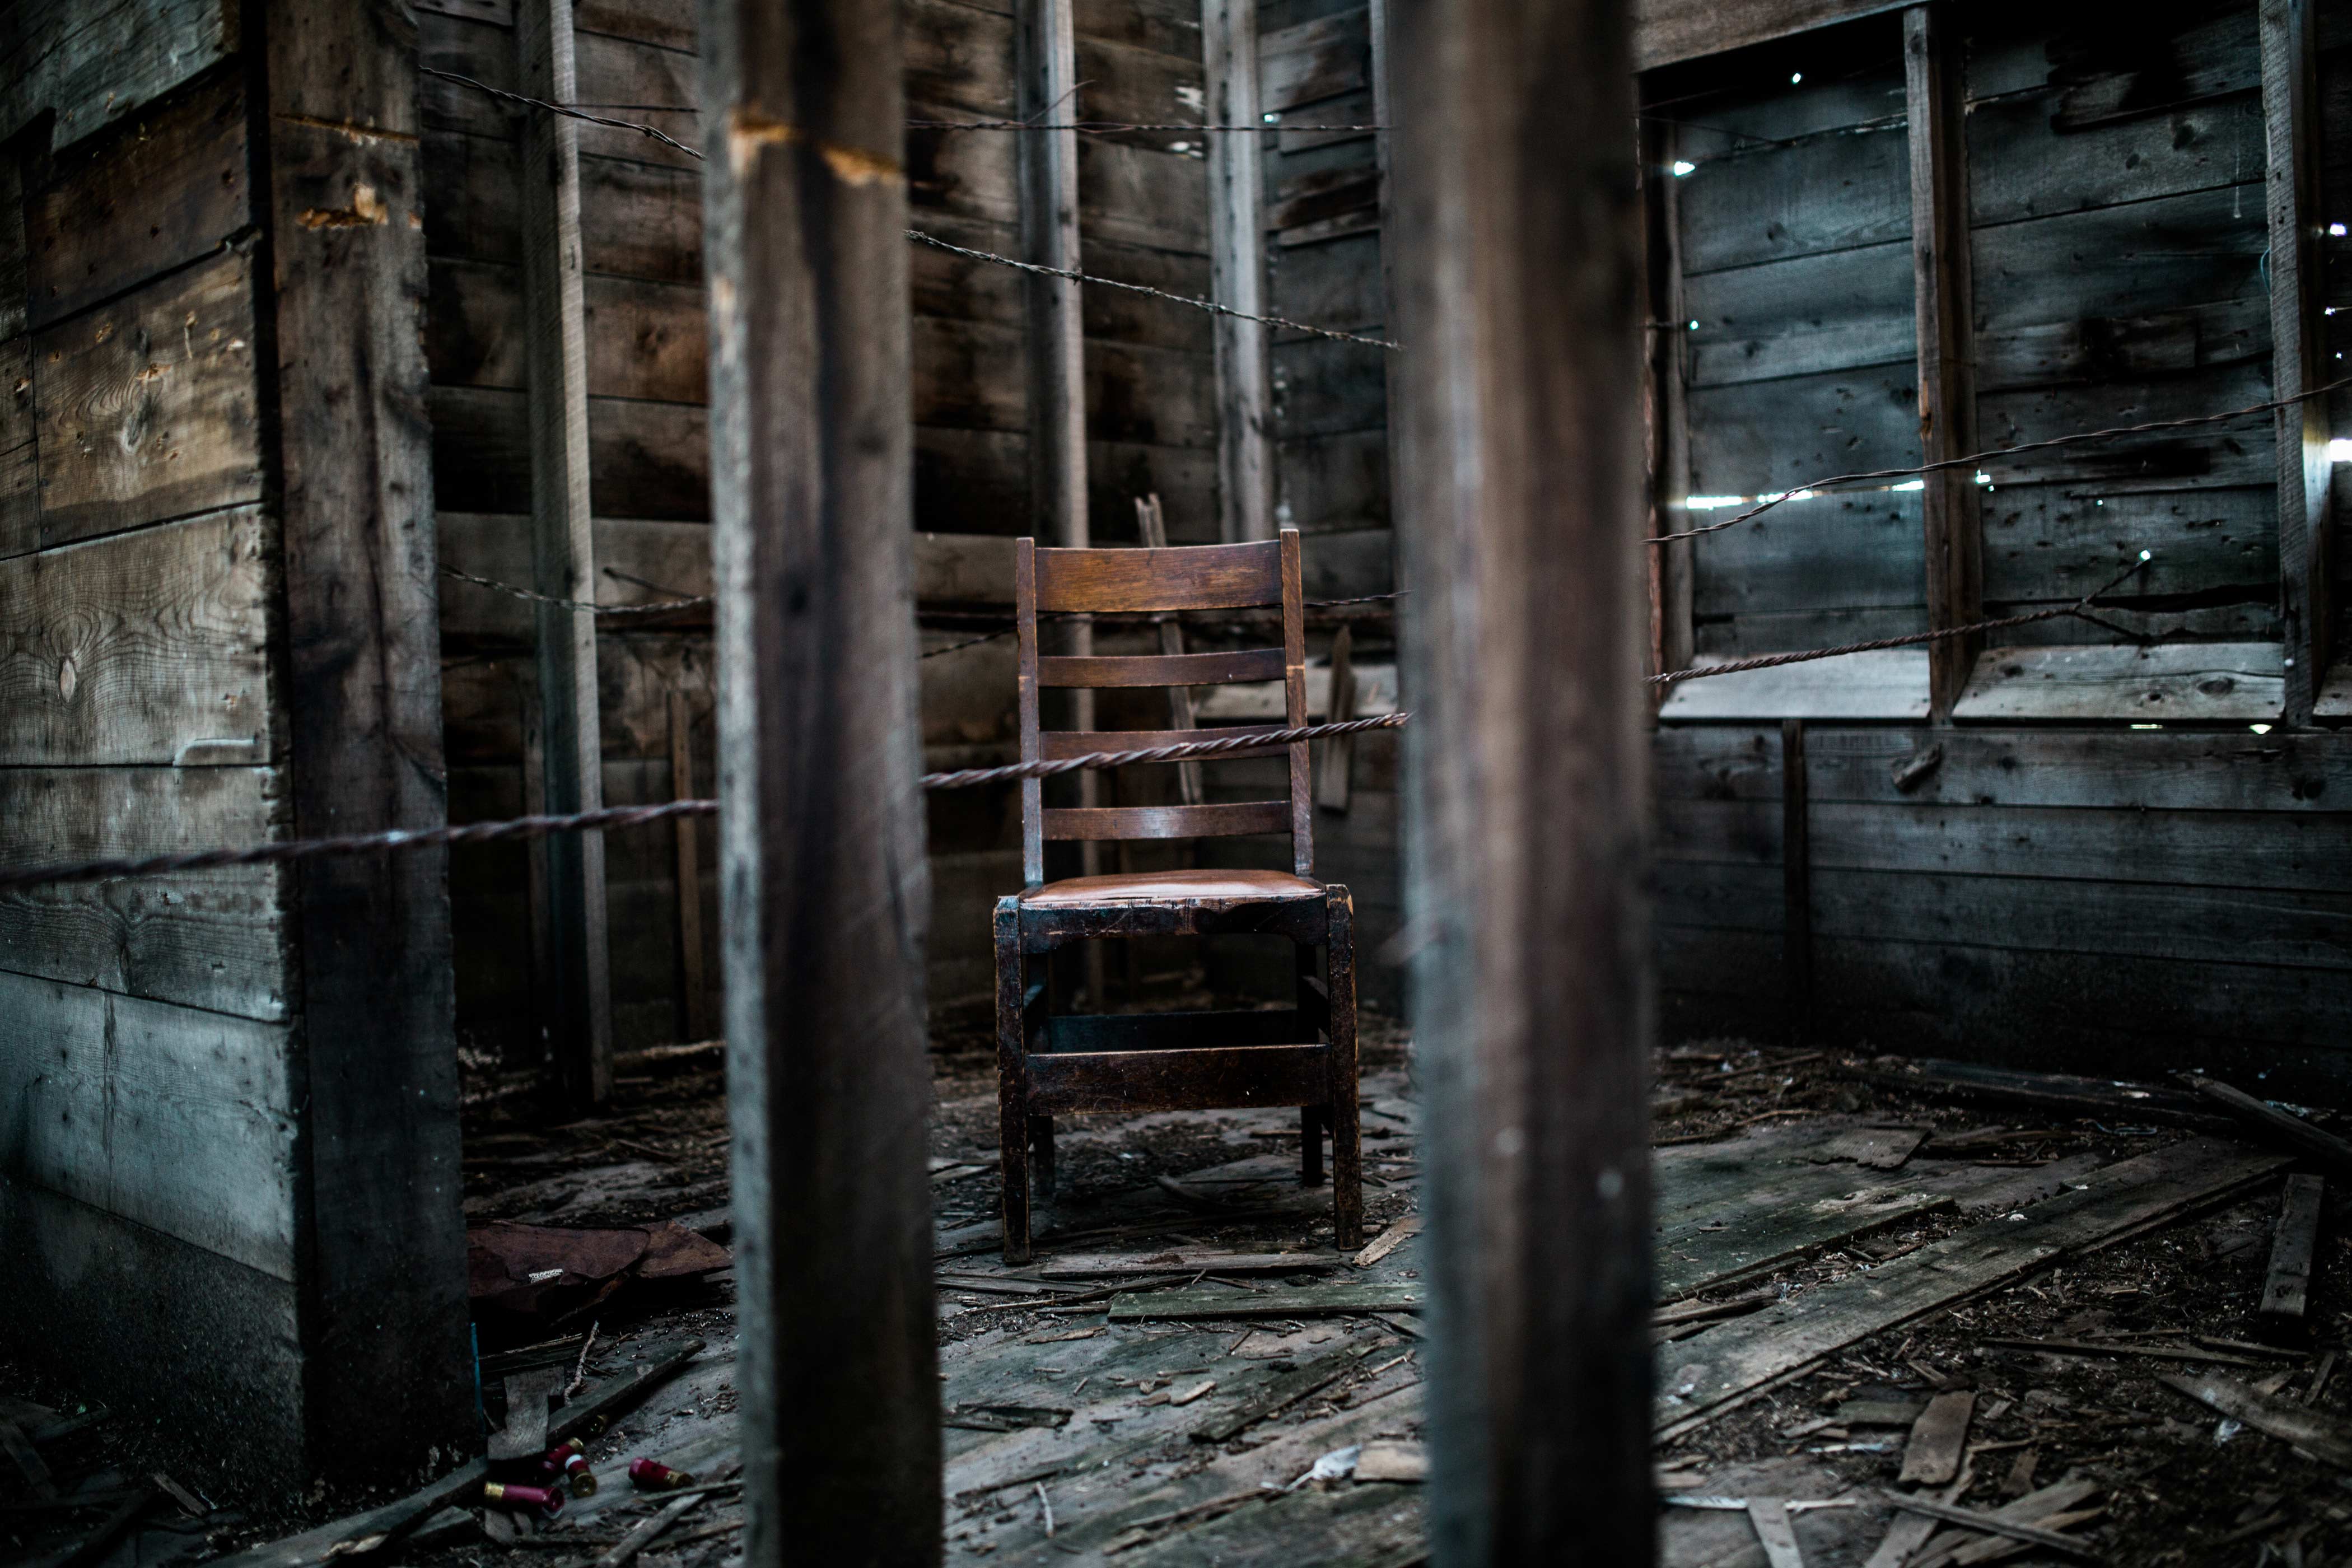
(546, 1500)
(566, 1462)
(653, 1476)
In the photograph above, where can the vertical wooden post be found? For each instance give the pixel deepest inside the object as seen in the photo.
(1518, 294)
(1667, 424)
(564, 550)
(1151, 531)
(1238, 272)
(1045, 48)
(2298, 285)
(823, 876)
(694, 1006)
(1796, 880)
(1935, 80)
(386, 1375)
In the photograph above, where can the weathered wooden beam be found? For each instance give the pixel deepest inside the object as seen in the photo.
(1518, 290)
(1665, 31)
(1666, 427)
(1935, 58)
(386, 1376)
(1796, 880)
(1237, 273)
(2297, 287)
(822, 875)
(694, 1007)
(1047, 88)
(564, 554)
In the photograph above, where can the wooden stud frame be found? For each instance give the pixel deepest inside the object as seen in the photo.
(564, 554)
(1935, 93)
(2297, 281)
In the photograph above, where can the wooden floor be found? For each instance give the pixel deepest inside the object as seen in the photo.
(1160, 1384)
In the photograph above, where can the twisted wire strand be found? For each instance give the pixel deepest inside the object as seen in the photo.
(613, 817)
(1973, 458)
(571, 111)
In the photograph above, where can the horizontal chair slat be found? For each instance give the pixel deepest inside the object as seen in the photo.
(1053, 745)
(1162, 669)
(1071, 1082)
(1112, 822)
(1193, 577)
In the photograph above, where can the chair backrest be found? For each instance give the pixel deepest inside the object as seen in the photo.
(1194, 577)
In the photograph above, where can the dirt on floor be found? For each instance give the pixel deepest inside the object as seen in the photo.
(2066, 1364)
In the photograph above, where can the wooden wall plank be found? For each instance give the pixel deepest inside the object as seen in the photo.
(1667, 31)
(2175, 683)
(147, 406)
(97, 61)
(645, 459)
(1889, 684)
(644, 340)
(170, 184)
(216, 940)
(20, 475)
(2143, 771)
(1817, 195)
(183, 1121)
(139, 649)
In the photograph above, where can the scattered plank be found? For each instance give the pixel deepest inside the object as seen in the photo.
(2123, 1200)
(524, 1436)
(1685, 1312)
(2105, 1098)
(2052, 1508)
(1275, 1397)
(1938, 1439)
(2284, 1127)
(629, 1545)
(1995, 1523)
(2286, 1290)
(1874, 1148)
(1188, 1260)
(1388, 1240)
(187, 1501)
(2096, 1347)
(1394, 1460)
(20, 1448)
(373, 1528)
(1775, 1532)
(2305, 1429)
(1298, 1301)
(99, 1541)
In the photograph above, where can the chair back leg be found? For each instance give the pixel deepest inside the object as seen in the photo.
(1310, 1146)
(1345, 1115)
(1013, 1080)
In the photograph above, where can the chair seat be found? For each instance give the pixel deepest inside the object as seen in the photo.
(1167, 887)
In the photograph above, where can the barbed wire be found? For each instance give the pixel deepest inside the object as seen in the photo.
(1060, 616)
(1801, 491)
(1211, 306)
(534, 596)
(624, 817)
(1103, 127)
(2080, 607)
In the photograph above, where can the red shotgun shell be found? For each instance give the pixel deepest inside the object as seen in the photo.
(547, 1501)
(653, 1476)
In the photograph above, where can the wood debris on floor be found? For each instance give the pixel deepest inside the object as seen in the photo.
(1910, 1314)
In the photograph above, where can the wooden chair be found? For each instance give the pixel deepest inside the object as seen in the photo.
(1304, 1054)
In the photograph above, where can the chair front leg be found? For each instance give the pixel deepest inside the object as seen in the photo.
(1347, 1154)
(1012, 1078)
